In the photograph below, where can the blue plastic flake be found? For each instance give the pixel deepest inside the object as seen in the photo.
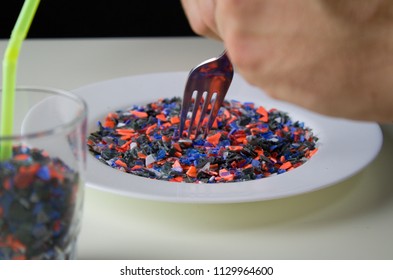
(235, 103)
(234, 125)
(161, 154)
(267, 135)
(157, 136)
(208, 145)
(57, 192)
(224, 143)
(184, 161)
(9, 166)
(44, 173)
(200, 142)
(273, 147)
(255, 163)
(55, 215)
(221, 111)
(233, 130)
(24, 150)
(38, 208)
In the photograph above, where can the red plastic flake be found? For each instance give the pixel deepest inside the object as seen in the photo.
(139, 114)
(214, 139)
(264, 114)
(286, 165)
(192, 172)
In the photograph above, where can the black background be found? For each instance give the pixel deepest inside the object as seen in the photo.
(99, 18)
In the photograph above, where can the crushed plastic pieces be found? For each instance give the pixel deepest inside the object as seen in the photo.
(246, 142)
(37, 205)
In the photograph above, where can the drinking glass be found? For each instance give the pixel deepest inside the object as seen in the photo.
(42, 182)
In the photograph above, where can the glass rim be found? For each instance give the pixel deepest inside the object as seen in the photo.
(55, 130)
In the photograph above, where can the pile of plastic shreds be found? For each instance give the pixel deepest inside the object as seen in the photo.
(246, 142)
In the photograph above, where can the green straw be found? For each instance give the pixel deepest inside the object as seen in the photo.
(9, 74)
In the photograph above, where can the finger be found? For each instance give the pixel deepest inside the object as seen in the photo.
(201, 16)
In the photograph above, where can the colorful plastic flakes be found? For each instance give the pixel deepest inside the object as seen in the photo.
(246, 142)
(37, 204)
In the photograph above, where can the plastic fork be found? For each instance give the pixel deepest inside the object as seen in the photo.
(210, 78)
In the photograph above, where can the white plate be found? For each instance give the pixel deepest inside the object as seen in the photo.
(345, 147)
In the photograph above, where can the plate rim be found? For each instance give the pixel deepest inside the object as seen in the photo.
(188, 192)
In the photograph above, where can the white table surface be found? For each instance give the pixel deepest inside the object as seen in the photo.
(350, 220)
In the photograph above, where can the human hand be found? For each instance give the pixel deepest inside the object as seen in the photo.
(333, 57)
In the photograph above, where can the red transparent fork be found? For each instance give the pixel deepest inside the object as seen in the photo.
(210, 81)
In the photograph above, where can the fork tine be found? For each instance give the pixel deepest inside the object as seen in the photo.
(195, 110)
(214, 112)
(187, 97)
(220, 96)
(203, 112)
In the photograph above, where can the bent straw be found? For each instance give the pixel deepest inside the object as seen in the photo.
(10, 60)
